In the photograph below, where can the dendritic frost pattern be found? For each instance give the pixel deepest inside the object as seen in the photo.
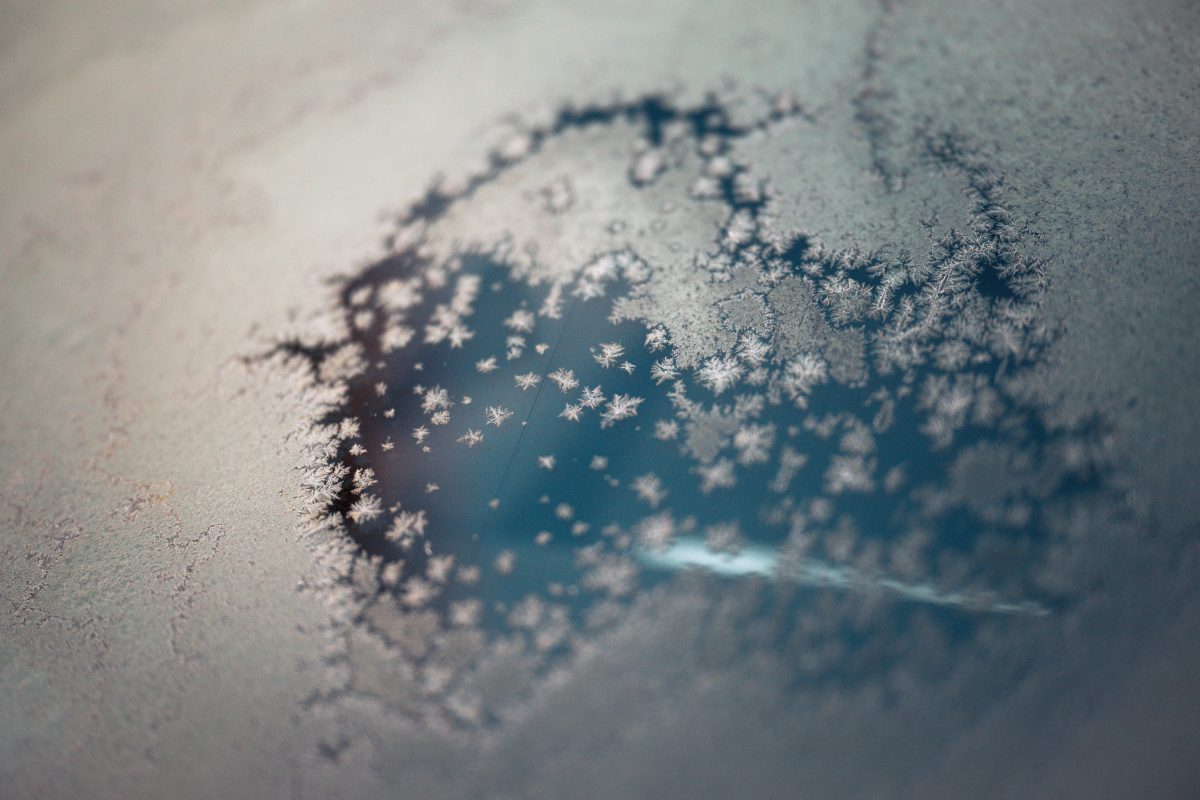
(522, 434)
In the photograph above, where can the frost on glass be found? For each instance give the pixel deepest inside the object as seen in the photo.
(599, 367)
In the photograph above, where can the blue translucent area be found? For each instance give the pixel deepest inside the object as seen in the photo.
(496, 497)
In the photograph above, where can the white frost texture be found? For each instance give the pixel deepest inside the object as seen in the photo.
(599, 400)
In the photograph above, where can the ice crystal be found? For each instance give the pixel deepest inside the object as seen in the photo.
(724, 537)
(649, 488)
(527, 380)
(363, 479)
(418, 592)
(521, 321)
(435, 399)
(790, 462)
(505, 562)
(720, 373)
(438, 568)
(466, 613)
(664, 370)
(753, 443)
(564, 379)
(591, 397)
(718, 475)
(656, 339)
(620, 406)
(365, 508)
(610, 353)
(406, 526)
(496, 415)
(666, 430)
(753, 350)
(471, 438)
(849, 473)
(803, 373)
(656, 532)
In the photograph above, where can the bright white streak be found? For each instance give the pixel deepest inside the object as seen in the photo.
(765, 562)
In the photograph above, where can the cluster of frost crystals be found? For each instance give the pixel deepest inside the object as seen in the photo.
(548, 398)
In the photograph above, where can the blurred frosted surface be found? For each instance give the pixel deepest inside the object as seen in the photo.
(907, 507)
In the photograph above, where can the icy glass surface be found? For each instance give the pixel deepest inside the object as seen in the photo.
(553, 399)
